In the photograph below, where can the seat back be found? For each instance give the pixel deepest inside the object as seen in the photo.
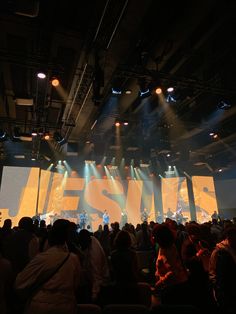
(145, 295)
(174, 309)
(88, 309)
(125, 309)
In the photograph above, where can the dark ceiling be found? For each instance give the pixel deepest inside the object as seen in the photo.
(95, 45)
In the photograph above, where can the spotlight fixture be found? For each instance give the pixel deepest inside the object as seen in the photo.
(144, 90)
(128, 92)
(158, 90)
(223, 105)
(3, 135)
(59, 138)
(41, 75)
(117, 124)
(47, 137)
(170, 89)
(47, 158)
(170, 98)
(90, 162)
(116, 91)
(143, 165)
(113, 167)
(55, 82)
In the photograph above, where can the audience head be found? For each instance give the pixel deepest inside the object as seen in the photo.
(100, 227)
(36, 223)
(7, 224)
(214, 221)
(116, 226)
(84, 239)
(163, 235)
(42, 224)
(194, 231)
(59, 232)
(106, 228)
(122, 240)
(26, 223)
(230, 235)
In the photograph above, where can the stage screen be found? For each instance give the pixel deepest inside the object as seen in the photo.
(27, 191)
(204, 197)
(175, 198)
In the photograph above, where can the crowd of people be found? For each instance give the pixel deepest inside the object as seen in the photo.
(51, 269)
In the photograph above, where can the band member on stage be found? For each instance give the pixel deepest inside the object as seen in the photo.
(179, 217)
(169, 214)
(83, 219)
(215, 215)
(124, 218)
(105, 218)
(144, 215)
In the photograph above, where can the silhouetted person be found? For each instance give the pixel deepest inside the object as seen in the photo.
(56, 272)
(222, 271)
(23, 245)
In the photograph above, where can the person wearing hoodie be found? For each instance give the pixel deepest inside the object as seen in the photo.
(222, 271)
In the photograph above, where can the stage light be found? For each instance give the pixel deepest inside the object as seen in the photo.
(168, 155)
(145, 92)
(117, 124)
(220, 170)
(59, 138)
(3, 135)
(41, 75)
(34, 133)
(211, 134)
(170, 98)
(215, 136)
(158, 91)
(128, 92)
(223, 105)
(55, 82)
(126, 123)
(116, 91)
(47, 158)
(143, 165)
(93, 125)
(170, 89)
(19, 156)
(113, 167)
(90, 162)
(46, 137)
(60, 168)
